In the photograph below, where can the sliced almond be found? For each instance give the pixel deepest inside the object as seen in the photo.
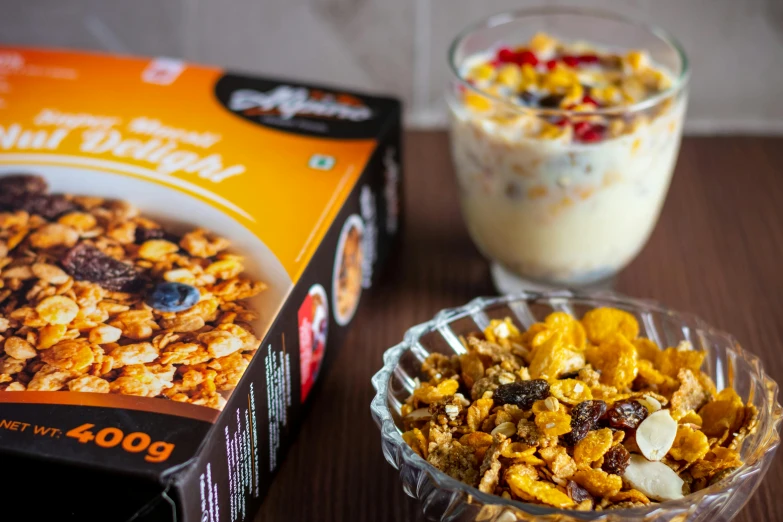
(651, 403)
(420, 414)
(655, 435)
(654, 479)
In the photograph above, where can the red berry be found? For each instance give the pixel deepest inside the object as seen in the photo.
(562, 122)
(588, 99)
(526, 57)
(588, 58)
(495, 62)
(571, 61)
(551, 64)
(505, 55)
(591, 135)
(581, 127)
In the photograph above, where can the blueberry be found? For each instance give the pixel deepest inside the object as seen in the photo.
(173, 297)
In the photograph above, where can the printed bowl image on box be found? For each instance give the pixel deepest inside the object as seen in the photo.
(347, 278)
(161, 249)
(313, 330)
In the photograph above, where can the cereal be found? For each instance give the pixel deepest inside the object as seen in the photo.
(550, 440)
(81, 321)
(602, 323)
(593, 446)
(615, 357)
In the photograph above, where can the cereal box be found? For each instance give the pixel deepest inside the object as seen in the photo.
(181, 251)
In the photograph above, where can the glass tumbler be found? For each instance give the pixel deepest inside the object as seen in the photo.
(560, 212)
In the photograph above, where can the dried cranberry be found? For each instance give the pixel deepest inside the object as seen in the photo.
(616, 460)
(571, 61)
(591, 136)
(581, 127)
(526, 57)
(589, 99)
(86, 263)
(506, 55)
(626, 415)
(523, 394)
(583, 416)
(577, 493)
(588, 58)
(145, 234)
(48, 206)
(562, 122)
(551, 64)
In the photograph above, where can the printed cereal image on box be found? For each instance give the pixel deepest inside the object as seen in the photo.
(181, 251)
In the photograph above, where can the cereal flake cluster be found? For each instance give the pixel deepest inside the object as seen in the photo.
(81, 280)
(579, 414)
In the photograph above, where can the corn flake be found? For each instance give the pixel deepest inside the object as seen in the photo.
(598, 482)
(615, 358)
(601, 324)
(593, 446)
(428, 393)
(646, 349)
(570, 391)
(527, 488)
(417, 441)
(672, 360)
(689, 445)
(554, 358)
(553, 423)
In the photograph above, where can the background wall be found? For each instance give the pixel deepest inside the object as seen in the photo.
(399, 46)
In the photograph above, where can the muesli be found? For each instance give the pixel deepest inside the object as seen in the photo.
(98, 298)
(579, 414)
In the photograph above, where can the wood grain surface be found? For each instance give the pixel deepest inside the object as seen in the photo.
(717, 252)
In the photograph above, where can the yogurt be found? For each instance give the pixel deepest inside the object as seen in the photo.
(555, 208)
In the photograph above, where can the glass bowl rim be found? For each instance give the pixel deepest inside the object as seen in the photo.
(381, 412)
(679, 83)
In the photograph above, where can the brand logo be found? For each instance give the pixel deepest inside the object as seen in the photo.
(290, 102)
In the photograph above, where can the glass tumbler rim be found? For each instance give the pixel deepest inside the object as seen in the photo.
(505, 17)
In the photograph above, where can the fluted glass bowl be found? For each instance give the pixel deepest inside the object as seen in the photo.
(444, 498)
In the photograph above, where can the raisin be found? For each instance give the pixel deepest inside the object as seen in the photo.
(577, 493)
(583, 416)
(45, 205)
(18, 185)
(527, 98)
(86, 263)
(522, 394)
(626, 415)
(551, 102)
(616, 460)
(145, 234)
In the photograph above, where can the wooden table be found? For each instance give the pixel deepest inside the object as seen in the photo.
(717, 251)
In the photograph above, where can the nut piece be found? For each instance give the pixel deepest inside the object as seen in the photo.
(656, 434)
(651, 403)
(654, 479)
(506, 428)
(19, 348)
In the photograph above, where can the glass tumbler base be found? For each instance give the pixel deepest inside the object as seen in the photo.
(509, 283)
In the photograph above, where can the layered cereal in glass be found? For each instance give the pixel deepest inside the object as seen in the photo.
(563, 149)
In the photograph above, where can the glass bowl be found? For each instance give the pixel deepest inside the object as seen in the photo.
(553, 210)
(444, 498)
